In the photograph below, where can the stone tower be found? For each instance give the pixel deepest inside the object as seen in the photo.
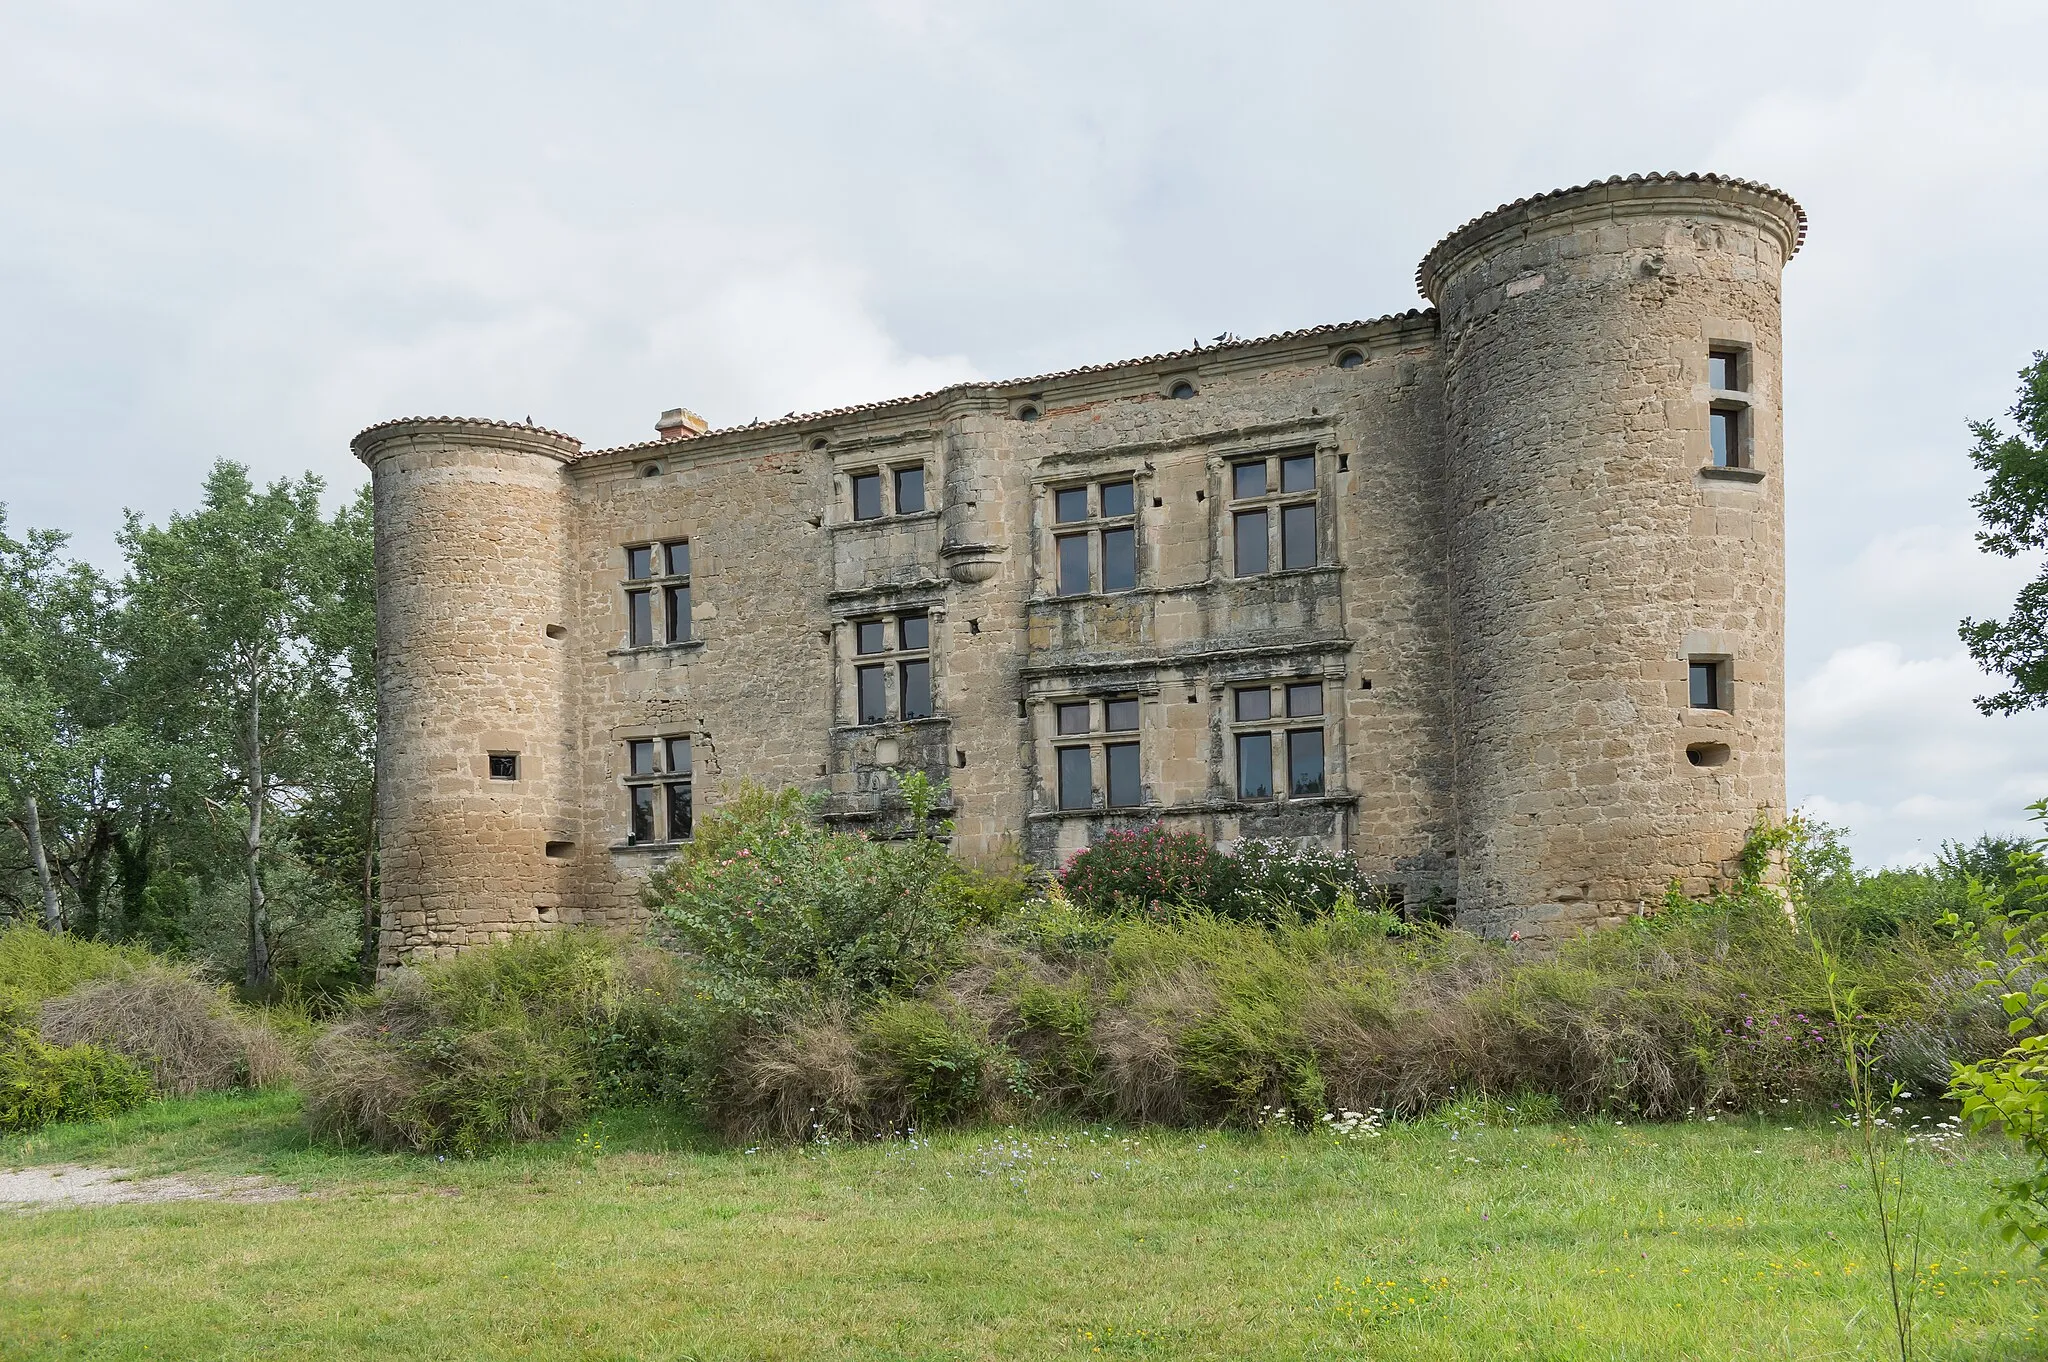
(1604, 560)
(477, 813)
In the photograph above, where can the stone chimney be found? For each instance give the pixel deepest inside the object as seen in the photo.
(680, 423)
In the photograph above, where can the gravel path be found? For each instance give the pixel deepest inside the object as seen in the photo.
(74, 1185)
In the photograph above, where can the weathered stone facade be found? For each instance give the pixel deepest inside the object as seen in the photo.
(1497, 534)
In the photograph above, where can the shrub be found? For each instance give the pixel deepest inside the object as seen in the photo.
(186, 1033)
(41, 1082)
(35, 964)
(1151, 871)
(934, 1065)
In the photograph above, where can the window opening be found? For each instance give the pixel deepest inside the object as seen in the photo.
(1254, 766)
(1305, 700)
(1119, 559)
(504, 766)
(1248, 479)
(1305, 762)
(1072, 718)
(1254, 704)
(678, 622)
(1181, 392)
(1350, 359)
(641, 825)
(1075, 790)
(640, 563)
(1027, 413)
(678, 555)
(1126, 790)
(640, 756)
(914, 632)
(909, 490)
(871, 689)
(915, 684)
(1073, 564)
(1724, 430)
(867, 496)
(639, 619)
(1298, 473)
(1070, 504)
(871, 636)
(1119, 498)
(1298, 536)
(1724, 371)
(1120, 716)
(914, 694)
(1708, 685)
(1249, 533)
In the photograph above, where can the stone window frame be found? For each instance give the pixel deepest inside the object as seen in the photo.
(1099, 741)
(660, 589)
(662, 780)
(891, 660)
(1719, 672)
(1276, 726)
(1092, 528)
(1273, 504)
(1736, 404)
(887, 470)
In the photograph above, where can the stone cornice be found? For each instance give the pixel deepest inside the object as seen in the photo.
(389, 437)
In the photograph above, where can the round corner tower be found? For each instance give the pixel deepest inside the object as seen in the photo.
(474, 746)
(1615, 507)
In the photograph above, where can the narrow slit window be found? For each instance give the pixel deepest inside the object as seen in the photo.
(1298, 537)
(867, 496)
(1076, 790)
(1254, 766)
(1126, 790)
(1248, 530)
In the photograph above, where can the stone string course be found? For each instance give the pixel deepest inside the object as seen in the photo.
(1517, 550)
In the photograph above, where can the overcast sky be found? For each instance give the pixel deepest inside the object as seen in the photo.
(251, 230)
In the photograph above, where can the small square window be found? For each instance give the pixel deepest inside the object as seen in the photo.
(867, 496)
(1126, 790)
(872, 693)
(914, 632)
(679, 756)
(1073, 563)
(1724, 370)
(909, 490)
(1119, 498)
(1255, 766)
(915, 680)
(1072, 718)
(504, 766)
(871, 636)
(1707, 690)
(1120, 716)
(1304, 699)
(678, 555)
(640, 757)
(642, 813)
(1076, 789)
(1119, 559)
(1249, 535)
(1253, 704)
(1298, 473)
(1070, 504)
(1724, 430)
(1248, 479)
(1298, 537)
(681, 814)
(640, 563)
(679, 614)
(639, 619)
(1305, 763)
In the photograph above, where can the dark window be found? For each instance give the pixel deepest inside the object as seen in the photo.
(914, 632)
(678, 558)
(871, 636)
(1027, 413)
(640, 756)
(679, 756)
(1119, 498)
(679, 812)
(1072, 718)
(679, 614)
(909, 490)
(1073, 553)
(1298, 473)
(1724, 428)
(916, 684)
(1724, 370)
(640, 563)
(639, 618)
(1706, 686)
(1248, 479)
(1304, 699)
(867, 495)
(1182, 391)
(1250, 529)
(1119, 559)
(1254, 766)
(873, 692)
(1253, 704)
(1350, 359)
(1125, 789)
(1298, 537)
(1070, 504)
(1305, 762)
(1075, 790)
(504, 766)
(642, 829)
(1120, 716)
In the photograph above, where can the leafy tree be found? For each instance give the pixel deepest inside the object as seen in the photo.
(240, 632)
(2014, 509)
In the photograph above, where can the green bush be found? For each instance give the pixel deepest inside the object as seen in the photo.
(41, 1083)
(1153, 871)
(35, 964)
(936, 1066)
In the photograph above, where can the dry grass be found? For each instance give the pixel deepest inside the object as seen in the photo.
(186, 1032)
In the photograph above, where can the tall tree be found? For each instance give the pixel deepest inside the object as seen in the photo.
(2014, 509)
(230, 629)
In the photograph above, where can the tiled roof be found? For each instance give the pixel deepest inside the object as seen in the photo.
(525, 426)
(1673, 177)
(987, 385)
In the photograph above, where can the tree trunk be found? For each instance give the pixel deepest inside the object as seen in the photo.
(258, 974)
(32, 828)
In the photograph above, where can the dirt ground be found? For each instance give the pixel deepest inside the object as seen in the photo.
(59, 1185)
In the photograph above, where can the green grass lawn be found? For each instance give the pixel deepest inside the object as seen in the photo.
(636, 1239)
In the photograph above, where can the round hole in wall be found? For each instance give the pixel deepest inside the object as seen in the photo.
(1708, 753)
(1182, 391)
(818, 443)
(1350, 359)
(1027, 412)
(652, 470)
(557, 631)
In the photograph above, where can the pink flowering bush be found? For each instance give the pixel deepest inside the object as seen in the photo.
(1151, 870)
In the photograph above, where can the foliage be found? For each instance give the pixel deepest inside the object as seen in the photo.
(186, 1033)
(2013, 507)
(1838, 900)
(1153, 870)
(2009, 1091)
(42, 1083)
(35, 964)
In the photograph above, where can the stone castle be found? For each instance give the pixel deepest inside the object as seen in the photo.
(1490, 596)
